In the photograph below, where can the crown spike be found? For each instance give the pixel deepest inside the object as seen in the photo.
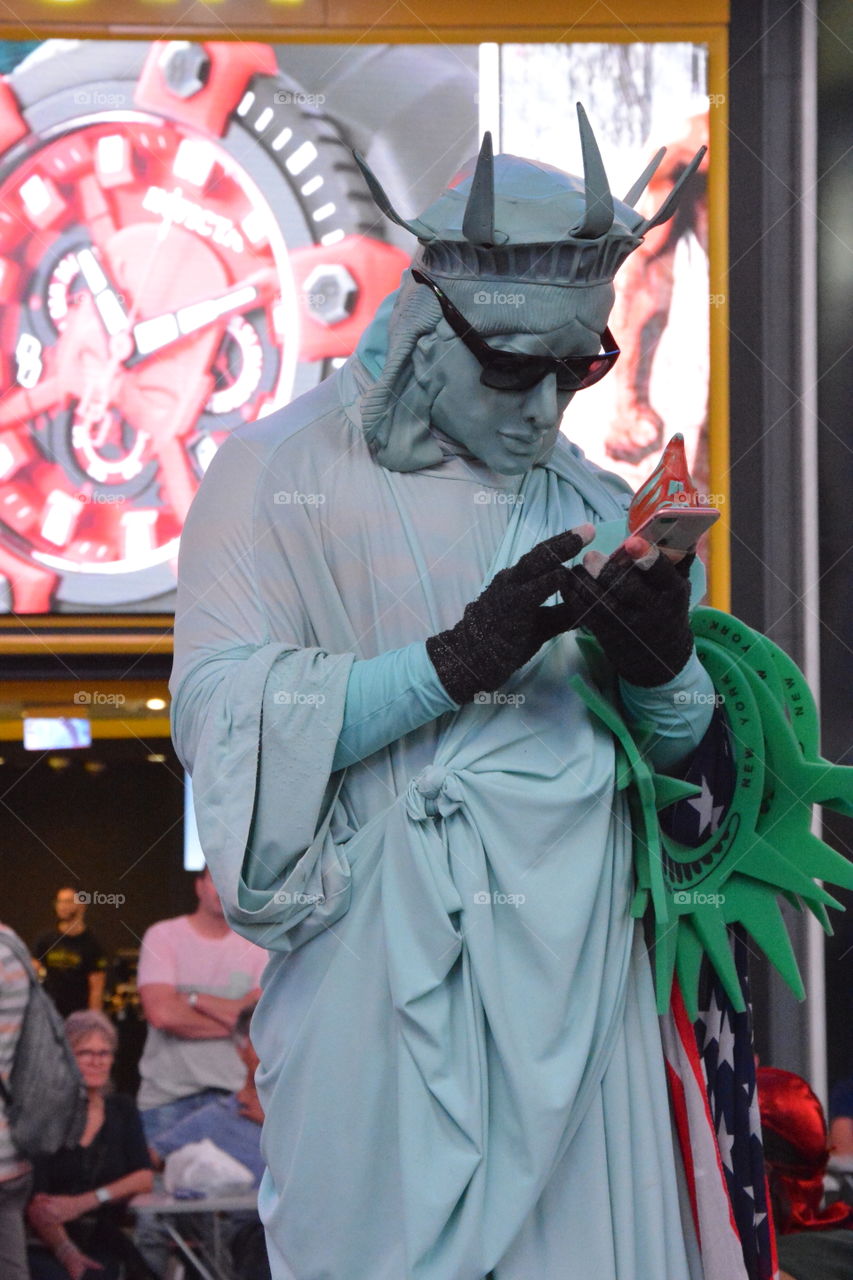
(598, 215)
(417, 228)
(645, 178)
(669, 205)
(478, 222)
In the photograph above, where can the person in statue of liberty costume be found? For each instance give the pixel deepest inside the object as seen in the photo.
(401, 796)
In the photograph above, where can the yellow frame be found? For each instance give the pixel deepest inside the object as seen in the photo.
(453, 21)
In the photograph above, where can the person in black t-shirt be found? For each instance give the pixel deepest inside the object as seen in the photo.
(70, 957)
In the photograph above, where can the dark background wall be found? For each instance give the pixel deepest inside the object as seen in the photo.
(835, 398)
(115, 832)
(785, 59)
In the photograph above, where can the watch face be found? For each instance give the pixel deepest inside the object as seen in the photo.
(181, 252)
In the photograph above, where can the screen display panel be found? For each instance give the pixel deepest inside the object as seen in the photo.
(186, 245)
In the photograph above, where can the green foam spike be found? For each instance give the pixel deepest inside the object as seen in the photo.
(820, 914)
(688, 965)
(666, 945)
(714, 936)
(668, 790)
(756, 907)
(769, 864)
(823, 862)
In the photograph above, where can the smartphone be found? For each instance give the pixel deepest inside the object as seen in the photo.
(678, 528)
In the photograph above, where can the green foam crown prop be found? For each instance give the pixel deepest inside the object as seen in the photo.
(504, 217)
(764, 845)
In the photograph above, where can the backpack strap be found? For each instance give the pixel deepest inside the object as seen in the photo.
(20, 952)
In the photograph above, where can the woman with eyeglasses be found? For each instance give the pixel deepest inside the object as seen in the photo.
(81, 1193)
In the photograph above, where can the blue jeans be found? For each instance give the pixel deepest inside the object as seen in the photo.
(157, 1120)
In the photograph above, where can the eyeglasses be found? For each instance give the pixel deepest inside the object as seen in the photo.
(515, 371)
(95, 1053)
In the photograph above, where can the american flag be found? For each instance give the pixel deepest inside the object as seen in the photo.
(711, 1067)
(724, 1038)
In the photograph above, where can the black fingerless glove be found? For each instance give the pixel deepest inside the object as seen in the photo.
(640, 617)
(506, 625)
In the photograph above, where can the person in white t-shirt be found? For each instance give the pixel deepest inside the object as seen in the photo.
(195, 976)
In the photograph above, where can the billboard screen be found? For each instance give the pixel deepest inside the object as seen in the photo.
(186, 244)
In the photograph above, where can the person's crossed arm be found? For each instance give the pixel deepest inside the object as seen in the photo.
(207, 1017)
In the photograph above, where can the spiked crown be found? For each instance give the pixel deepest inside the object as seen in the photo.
(517, 219)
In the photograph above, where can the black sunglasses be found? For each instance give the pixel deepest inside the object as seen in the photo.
(513, 371)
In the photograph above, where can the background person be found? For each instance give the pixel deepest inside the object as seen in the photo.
(81, 1192)
(841, 1119)
(71, 959)
(15, 1172)
(195, 977)
(233, 1122)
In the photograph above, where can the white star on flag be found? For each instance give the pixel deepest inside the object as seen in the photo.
(709, 813)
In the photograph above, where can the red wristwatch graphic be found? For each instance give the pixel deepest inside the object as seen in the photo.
(183, 249)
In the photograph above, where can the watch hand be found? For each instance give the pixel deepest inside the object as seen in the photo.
(159, 332)
(20, 405)
(110, 308)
